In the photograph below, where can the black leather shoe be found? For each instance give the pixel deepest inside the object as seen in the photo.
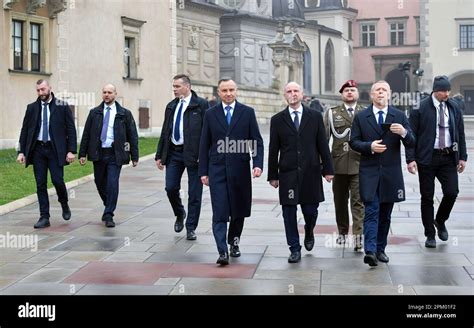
(235, 251)
(295, 257)
(370, 259)
(442, 231)
(191, 235)
(66, 211)
(43, 222)
(223, 259)
(308, 238)
(430, 242)
(382, 257)
(109, 221)
(179, 224)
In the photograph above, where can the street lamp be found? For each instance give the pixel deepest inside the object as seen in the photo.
(405, 67)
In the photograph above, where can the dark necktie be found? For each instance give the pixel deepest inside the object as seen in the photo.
(350, 110)
(297, 120)
(177, 123)
(380, 118)
(44, 137)
(442, 127)
(228, 115)
(105, 125)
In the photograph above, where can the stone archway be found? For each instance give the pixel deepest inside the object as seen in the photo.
(398, 80)
(462, 83)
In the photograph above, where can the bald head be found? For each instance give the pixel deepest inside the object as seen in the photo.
(109, 93)
(109, 86)
(293, 85)
(293, 95)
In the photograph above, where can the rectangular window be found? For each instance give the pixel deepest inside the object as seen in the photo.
(35, 47)
(368, 35)
(17, 39)
(397, 34)
(466, 35)
(349, 32)
(418, 30)
(131, 46)
(127, 54)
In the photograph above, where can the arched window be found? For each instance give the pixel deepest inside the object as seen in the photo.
(329, 70)
(234, 4)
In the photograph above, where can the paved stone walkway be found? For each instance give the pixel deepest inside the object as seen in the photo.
(143, 254)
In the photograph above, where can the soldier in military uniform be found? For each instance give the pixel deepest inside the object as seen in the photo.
(338, 121)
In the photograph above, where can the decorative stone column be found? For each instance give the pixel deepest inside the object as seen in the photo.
(288, 55)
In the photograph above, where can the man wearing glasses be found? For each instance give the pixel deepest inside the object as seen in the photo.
(439, 152)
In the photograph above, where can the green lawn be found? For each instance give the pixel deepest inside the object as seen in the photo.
(17, 182)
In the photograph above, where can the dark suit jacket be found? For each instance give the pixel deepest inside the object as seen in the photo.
(125, 143)
(193, 119)
(380, 171)
(295, 157)
(223, 158)
(423, 123)
(61, 130)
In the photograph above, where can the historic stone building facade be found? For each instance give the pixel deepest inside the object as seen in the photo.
(262, 45)
(81, 45)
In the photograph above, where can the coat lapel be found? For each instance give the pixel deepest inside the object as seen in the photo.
(288, 120)
(37, 117)
(221, 117)
(52, 108)
(235, 116)
(371, 119)
(345, 114)
(304, 119)
(390, 115)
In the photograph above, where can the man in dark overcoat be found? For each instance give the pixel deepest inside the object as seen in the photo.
(298, 146)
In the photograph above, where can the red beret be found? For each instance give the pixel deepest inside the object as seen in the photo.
(348, 83)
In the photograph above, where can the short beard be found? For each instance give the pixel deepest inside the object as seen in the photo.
(45, 97)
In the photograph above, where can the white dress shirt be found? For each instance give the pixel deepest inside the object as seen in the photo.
(40, 135)
(447, 136)
(232, 107)
(299, 112)
(186, 102)
(376, 113)
(110, 129)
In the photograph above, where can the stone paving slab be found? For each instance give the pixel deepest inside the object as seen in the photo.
(143, 255)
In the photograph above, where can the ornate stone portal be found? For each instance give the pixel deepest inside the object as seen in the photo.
(288, 55)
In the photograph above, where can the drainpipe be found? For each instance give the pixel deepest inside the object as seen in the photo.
(319, 50)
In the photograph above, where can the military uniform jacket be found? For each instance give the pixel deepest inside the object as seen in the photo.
(346, 160)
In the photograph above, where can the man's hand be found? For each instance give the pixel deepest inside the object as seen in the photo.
(82, 161)
(159, 165)
(21, 158)
(398, 129)
(134, 163)
(378, 147)
(257, 172)
(274, 183)
(329, 178)
(412, 168)
(205, 180)
(70, 157)
(461, 166)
